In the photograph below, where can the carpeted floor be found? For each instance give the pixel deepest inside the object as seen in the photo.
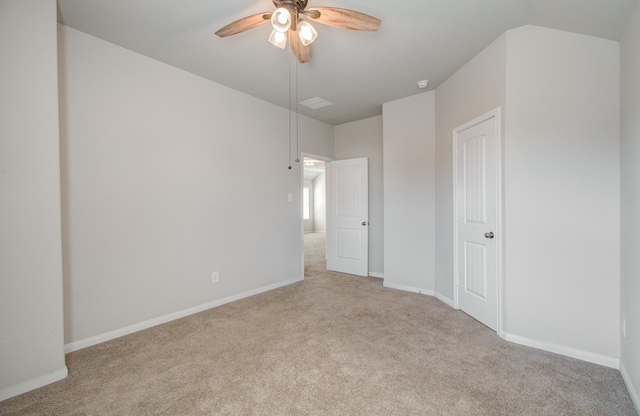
(334, 344)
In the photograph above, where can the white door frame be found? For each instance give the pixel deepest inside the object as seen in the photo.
(496, 115)
(302, 156)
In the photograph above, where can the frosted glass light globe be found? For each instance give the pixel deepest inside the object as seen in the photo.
(281, 20)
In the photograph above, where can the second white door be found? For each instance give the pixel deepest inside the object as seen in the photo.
(348, 216)
(477, 220)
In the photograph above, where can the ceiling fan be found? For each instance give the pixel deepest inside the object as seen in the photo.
(287, 18)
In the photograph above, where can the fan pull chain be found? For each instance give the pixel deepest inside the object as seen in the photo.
(297, 117)
(289, 107)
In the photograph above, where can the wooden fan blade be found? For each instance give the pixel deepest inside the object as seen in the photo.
(344, 18)
(314, 14)
(244, 24)
(303, 53)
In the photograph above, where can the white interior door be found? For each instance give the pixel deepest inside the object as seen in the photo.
(348, 216)
(477, 220)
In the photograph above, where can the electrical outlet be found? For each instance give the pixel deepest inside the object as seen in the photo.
(215, 277)
(624, 327)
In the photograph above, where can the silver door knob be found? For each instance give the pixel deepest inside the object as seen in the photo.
(364, 223)
(489, 235)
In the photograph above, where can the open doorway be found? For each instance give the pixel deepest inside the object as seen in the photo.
(314, 212)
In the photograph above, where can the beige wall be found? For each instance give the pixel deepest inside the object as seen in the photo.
(160, 190)
(562, 193)
(630, 182)
(31, 333)
(409, 192)
(363, 138)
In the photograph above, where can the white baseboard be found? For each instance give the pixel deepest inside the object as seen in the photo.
(421, 291)
(564, 350)
(378, 275)
(444, 299)
(108, 336)
(635, 398)
(35, 383)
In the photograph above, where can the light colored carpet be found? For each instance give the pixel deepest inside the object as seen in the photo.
(334, 344)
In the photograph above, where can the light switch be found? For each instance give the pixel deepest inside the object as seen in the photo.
(290, 197)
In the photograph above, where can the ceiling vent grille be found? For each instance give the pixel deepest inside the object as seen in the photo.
(316, 103)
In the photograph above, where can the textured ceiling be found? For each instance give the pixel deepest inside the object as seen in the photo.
(356, 71)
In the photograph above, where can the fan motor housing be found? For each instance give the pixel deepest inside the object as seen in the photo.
(299, 4)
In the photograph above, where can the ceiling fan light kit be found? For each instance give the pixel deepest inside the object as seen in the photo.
(282, 23)
(307, 33)
(278, 39)
(287, 18)
(281, 20)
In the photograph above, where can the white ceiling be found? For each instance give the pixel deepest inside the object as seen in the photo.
(356, 71)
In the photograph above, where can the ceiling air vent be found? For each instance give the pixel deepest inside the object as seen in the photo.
(316, 103)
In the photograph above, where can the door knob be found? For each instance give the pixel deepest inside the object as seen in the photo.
(489, 235)
(364, 223)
